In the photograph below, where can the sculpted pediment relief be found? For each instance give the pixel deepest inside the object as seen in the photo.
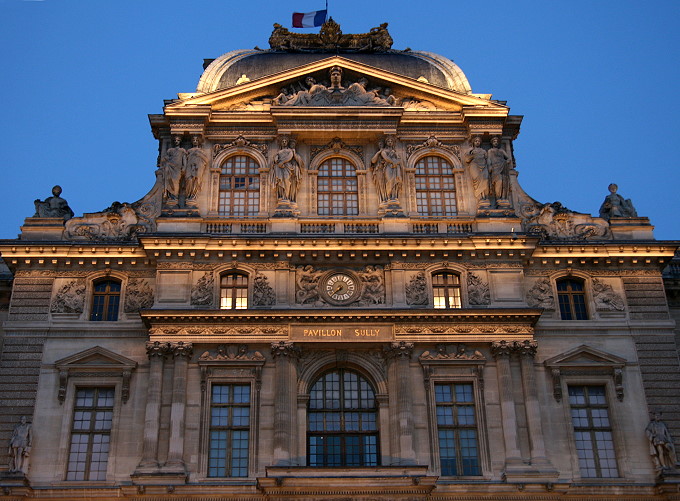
(333, 82)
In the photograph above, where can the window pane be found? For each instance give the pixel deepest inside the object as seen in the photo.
(239, 187)
(337, 188)
(457, 429)
(229, 430)
(105, 300)
(446, 290)
(435, 187)
(233, 292)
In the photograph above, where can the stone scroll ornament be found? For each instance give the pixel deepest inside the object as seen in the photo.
(119, 222)
(53, 206)
(70, 298)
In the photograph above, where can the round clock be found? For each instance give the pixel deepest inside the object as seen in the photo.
(340, 287)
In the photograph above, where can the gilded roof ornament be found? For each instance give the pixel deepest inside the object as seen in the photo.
(330, 38)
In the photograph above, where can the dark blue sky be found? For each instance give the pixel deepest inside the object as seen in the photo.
(596, 82)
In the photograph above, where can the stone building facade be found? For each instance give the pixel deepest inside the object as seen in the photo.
(337, 289)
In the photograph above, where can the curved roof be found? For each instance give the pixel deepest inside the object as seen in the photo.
(225, 71)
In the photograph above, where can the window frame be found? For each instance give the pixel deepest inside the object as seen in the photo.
(344, 433)
(235, 288)
(106, 295)
(319, 192)
(445, 287)
(427, 191)
(255, 174)
(570, 295)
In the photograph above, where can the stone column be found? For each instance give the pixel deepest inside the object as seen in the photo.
(527, 352)
(285, 355)
(501, 351)
(400, 353)
(157, 352)
(181, 353)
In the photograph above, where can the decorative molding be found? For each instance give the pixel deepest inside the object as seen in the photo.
(432, 143)
(230, 353)
(70, 298)
(337, 145)
(203, 292)
(286, 349)
(464, 328)
(263, 294)
(138, 295)
(240, 142)
(459, 353)
(605, 298)
(416, 290)
(541, 295)
(477, 290)
(398, 349)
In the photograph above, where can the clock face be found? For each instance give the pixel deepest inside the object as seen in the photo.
(340, 288)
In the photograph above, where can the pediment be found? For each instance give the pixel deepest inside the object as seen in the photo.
(406, 92)
(96, 358)
(585, 356)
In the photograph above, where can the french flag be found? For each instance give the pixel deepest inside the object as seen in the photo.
(310, 19)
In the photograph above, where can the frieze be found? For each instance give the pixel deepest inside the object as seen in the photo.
(333, 125)
(463, 328)
(240, 142)
(231, 352)
(272, 266)
(459, 353)
(70, 298)
(336, 145)
(595, 272)
(490, 265)
(175, 265)
(250, 330)
(260, 132)
(431, 143)
(78, 273)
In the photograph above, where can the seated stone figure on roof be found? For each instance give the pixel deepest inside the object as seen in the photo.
(53, 206)
(615, 205)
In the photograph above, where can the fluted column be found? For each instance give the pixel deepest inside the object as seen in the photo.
(527, 352)
(501, 351)
(181, 352)
(399, 353)
(284, 353)
(156, 352)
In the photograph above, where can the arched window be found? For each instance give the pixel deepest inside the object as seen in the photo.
(233, 292)
(572, 299)
(337, 193)
(446, 290)
(342, 421)
(105, 300)
(435, 188)
(239, 187)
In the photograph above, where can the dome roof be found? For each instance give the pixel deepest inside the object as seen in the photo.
(225, 71)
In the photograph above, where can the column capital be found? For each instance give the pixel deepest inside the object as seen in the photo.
(181, 349)
(157, 349)
(285, 349)
(526, 348)
(501, 349)
(399, 349)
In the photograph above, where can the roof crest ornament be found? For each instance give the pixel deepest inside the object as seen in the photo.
(331, 39)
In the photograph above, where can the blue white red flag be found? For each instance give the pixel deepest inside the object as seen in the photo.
(310, 19)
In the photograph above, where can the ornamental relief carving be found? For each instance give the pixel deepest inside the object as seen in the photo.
(238, 330)
(336, 144)
(70, 298)
(598, 272)
(203, 291)
(605, 297)
(540, 295)
(227, 352)
(460, 352)
(431, 143)
(138, 295)
(308, 286)
(416, 290)
(478, 290)
(481, 328)
(263, 294)
(239, 142)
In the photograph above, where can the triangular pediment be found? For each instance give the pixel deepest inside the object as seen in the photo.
(96, 358)
(585, 356)
(266, 88)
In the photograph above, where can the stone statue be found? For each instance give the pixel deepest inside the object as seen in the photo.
(476, 160)
(307, 279)
(53, 206)
(20, 446)
(387, 171)
(286, 171)
(499, 165)
(615, 205)
(173, 169)
(661, 446)
(197, 161)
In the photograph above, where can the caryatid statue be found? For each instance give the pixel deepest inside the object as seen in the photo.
(197, 161)
(20, 446)
(476, 160)
(173, 168)
(286, 171)
(499, 164)
(388, 171)
(615, 205)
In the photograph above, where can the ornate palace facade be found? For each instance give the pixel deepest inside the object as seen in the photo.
(337, 289)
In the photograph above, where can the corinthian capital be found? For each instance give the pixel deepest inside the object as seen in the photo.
(157, 349)
(285, 349)
(182, 349)
(400, 349)
(527, 348)
(501, 349)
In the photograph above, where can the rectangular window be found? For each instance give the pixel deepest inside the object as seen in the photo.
(90, 434)
(229, 430)
(592, 432)
(457, 429)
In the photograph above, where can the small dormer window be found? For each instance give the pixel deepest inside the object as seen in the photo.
(233, 292)
(572, 299)
(105, 300)
(446, 290)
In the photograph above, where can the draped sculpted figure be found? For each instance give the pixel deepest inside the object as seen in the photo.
(499, 171)
(476, 159)
(387, 171)
(173, 166)
(286, 171)
(197, 161)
